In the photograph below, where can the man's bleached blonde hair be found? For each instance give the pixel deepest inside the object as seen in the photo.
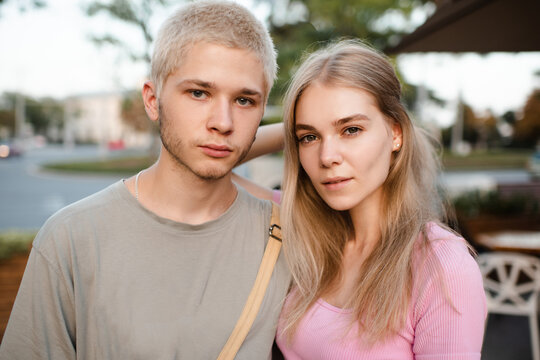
(217, 22)
(315, 235)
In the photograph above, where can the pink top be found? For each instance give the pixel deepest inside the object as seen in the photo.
(276, 196)
(434, 330)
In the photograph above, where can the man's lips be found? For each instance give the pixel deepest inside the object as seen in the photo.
(336, 183)
(217, 151)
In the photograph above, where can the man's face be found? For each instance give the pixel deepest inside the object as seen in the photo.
(210, 108)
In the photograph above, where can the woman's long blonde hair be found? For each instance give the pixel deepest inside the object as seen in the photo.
(315, 234)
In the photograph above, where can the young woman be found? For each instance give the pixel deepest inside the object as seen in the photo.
(376, 274)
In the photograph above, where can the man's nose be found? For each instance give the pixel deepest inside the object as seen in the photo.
(221, 118)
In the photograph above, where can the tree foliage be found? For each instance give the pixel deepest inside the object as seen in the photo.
(41, 114)
(370, 20)
(527, 129)
(480, 131)
(24, 5)
(133, 112)
(359, 18)
(7, 121)
(136, 13)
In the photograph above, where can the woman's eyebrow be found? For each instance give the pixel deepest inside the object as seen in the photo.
(347, 119)
(335, 123)
(307, 127)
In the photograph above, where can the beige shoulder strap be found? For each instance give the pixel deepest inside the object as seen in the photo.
(253, 303)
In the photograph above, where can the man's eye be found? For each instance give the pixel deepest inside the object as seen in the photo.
(244, 101)
(199, 94)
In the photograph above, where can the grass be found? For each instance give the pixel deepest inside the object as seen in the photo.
(125, 165)
(486, 160)
(15, 242)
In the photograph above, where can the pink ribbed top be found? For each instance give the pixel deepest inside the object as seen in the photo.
(434, 330)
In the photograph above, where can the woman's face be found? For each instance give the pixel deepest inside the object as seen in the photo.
(345, 145)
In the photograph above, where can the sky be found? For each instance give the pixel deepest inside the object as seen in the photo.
(47, 53)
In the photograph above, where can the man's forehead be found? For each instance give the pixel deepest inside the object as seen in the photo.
(214, 65)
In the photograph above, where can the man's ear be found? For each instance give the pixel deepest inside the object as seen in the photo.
(150, 100)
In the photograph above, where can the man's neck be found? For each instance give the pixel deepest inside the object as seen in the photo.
(177, 194)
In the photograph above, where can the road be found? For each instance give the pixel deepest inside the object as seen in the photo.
(28, 197)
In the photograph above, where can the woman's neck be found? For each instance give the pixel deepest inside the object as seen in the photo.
(367, 234)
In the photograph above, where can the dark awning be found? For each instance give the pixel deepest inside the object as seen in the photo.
(477, 26)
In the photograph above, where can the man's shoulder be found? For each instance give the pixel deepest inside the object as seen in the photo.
(253, 204)
(86, 209)
(107, 197)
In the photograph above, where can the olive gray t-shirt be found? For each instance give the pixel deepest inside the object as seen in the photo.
(108, 279)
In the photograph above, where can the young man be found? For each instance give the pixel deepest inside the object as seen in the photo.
(160, 266)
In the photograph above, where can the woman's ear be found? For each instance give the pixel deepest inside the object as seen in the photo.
(397, 137)
(150, 100)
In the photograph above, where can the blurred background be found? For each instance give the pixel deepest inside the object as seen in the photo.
(72, 119)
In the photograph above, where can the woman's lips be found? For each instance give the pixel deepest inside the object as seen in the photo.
(336, 183)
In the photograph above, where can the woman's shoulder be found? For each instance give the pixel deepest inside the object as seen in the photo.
(447, 268)
(444, 250)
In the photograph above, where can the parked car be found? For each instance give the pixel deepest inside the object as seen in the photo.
(534, 165)
(9, 149)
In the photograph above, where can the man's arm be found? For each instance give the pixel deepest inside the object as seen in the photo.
(269, 139)
(42, 321)
(254, 189)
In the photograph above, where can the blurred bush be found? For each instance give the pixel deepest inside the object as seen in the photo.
(475, 203)
(15, 242)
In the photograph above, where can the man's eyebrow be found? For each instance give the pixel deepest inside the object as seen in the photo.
(210, 85)
(250, 92)
(201, 83)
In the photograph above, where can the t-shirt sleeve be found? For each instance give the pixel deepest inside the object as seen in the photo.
(450, 312)
(42, 321)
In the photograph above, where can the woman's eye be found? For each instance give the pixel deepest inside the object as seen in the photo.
(307, 138)
(244, 101)
(352, 130)
(198, 94)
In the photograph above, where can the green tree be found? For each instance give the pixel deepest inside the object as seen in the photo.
(133, 112)
(489, 136)
(478, 131)
(138, 14)
(366, 19)
(7, 121)
(527, 129)
(24, 5)
(324, 20)
(43, 114)
(135, 13)
(471, 125)
(7, 116)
